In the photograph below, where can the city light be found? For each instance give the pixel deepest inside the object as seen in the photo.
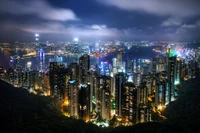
(37, 35)
(76, 39)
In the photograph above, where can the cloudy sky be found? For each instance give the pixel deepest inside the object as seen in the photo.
(62, 20)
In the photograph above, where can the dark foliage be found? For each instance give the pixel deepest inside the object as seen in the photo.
(185, 111)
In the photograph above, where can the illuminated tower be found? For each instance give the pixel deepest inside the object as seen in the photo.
(119, 62)
(57, 78)
(105, 68)
(84, 91)
(84, 66)
(37, 44)
(120, 79)
(114, 66)
(76, 50)
(129, 104)
(41, 55)
(129, 68)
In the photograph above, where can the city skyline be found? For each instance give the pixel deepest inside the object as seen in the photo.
(100, 20)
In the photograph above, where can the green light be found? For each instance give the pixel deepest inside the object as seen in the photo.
(113, 105)
(177, 82)
(172, 53)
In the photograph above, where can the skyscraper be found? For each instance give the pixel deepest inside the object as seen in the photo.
(57, 78)
(84, 89)
(75, 50)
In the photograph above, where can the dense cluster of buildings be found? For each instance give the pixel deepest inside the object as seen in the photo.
(129, 91)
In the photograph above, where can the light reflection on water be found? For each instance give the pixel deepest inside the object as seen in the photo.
(142, 52)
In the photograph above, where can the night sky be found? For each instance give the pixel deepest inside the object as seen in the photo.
(62, 20)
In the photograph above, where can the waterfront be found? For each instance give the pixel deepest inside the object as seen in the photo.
(135, 52)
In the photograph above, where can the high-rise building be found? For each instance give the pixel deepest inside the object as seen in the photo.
(144, 110)
(57, 78)
(41, 55)
(73, 98)
(75, 50)
(119, 62)
(84, 89)
(105, 97)
(84, 102)
(129, 104)
(11, 75)
(172, 71)
(120, 80)
(37, 42)
(105, 68)
(114, 66)
(84, 66)
(2, 74)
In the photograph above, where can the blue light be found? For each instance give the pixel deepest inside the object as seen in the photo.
(72, 81)
(83, 85)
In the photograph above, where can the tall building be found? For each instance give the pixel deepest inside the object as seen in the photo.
(73, 98)
(73, 89)
(84, 102)
(2, 74)
(129, 104)
(84, 66)
(120, 80)
(37, 42)
(11, 76)
(57, 78)
(119, 62)
(105, 68)
(75, 50)
(41, 56)
(144, 110)
(129, 68)
(84, 89)
(114, 66)
(105, 97)
(171, 77)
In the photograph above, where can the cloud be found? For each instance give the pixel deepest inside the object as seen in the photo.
(54, 30)
(40, 8)
(172, 22)
(190, 26)
(180, 8)
(98, 27)
(89, 31)
(189, 29)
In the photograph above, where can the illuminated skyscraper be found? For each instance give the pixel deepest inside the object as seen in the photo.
(129, 104)
(75, 50)
(84, 66)
(73, 97)
(84, 91)
(105, 97)
(84, 102)
(37, 43)
(114, 66)
(119, 62)
(57, 78)
(2, 74)
(120, 80)
(144, 110)
(129, 68)
(41, 55)
(105, 68)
